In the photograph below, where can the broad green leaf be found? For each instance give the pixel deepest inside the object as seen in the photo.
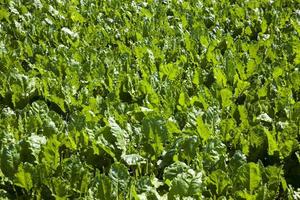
(133, 159)
(243, 115)
(296, 111)
(214, 154)
(4, 14)
(174, 169)
(75, 16)
(286, 147)
(170, 70)
(248, 30)
(274, 175)
(277, 72)
(295, 78)
(196, 80)
(181, 99)
(10, 158)
(60, 188)
(248, 177)
(17, 94)
(220, 77)
(104, 188)
(204, 41)
(188, 42)
(179, 186)
(236, 161)
(220, 180)
(202, 129)
(31, 147)
(264, 117)
(186, 184)
(146, 12)
(120, 134)
(262, 92)
(226, 96)
(264, 26)
(59, 101)
(50, 153)
(296, 46)
(241, 87)
(23, 178)
(272, 144)
(251, 67)
(156, 133)
(119, 175)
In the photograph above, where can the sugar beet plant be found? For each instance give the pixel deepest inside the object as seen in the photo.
(151, 99)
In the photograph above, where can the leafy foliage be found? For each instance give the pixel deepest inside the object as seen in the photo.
(149, 99)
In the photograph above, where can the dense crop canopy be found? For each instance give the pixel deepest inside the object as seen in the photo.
(149, 99)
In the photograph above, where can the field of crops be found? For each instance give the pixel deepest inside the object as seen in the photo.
(150, 99)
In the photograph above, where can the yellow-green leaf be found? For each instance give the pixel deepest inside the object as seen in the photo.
(23, 178)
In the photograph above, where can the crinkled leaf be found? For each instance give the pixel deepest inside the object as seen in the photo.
(248, 176)
(171, 171)
(133, 159)
(119, 175)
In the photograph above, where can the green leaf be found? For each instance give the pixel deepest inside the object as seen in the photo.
(50, 153)
(295, 78)
(236, 161)
(119, 175)
(243, 115)
(104, 188)
(277, 72)
(4, 14)
(251, 67)
(265, 118)
(10, 158)
(59, 101)
(220, 180)
(76, 16)
(204, 41)
(31, 148)
(181, 99)
(272, 144)
(220, 77)
(226, 96)
(214, 153)
(60, 188)
(296, 47)
(119, 134)
(146, 12)
(23, 178)
(248, 176)
(186, 184)
(179, 186)
(174, 169)
(202, 129)
(170, 70)
(240, 87)
(17, 94)
(156, 133)
(275, 177)
(188, 43)
(262, 91)
(248, 30)
(133, 159)
(286, 147)
(264, 26)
